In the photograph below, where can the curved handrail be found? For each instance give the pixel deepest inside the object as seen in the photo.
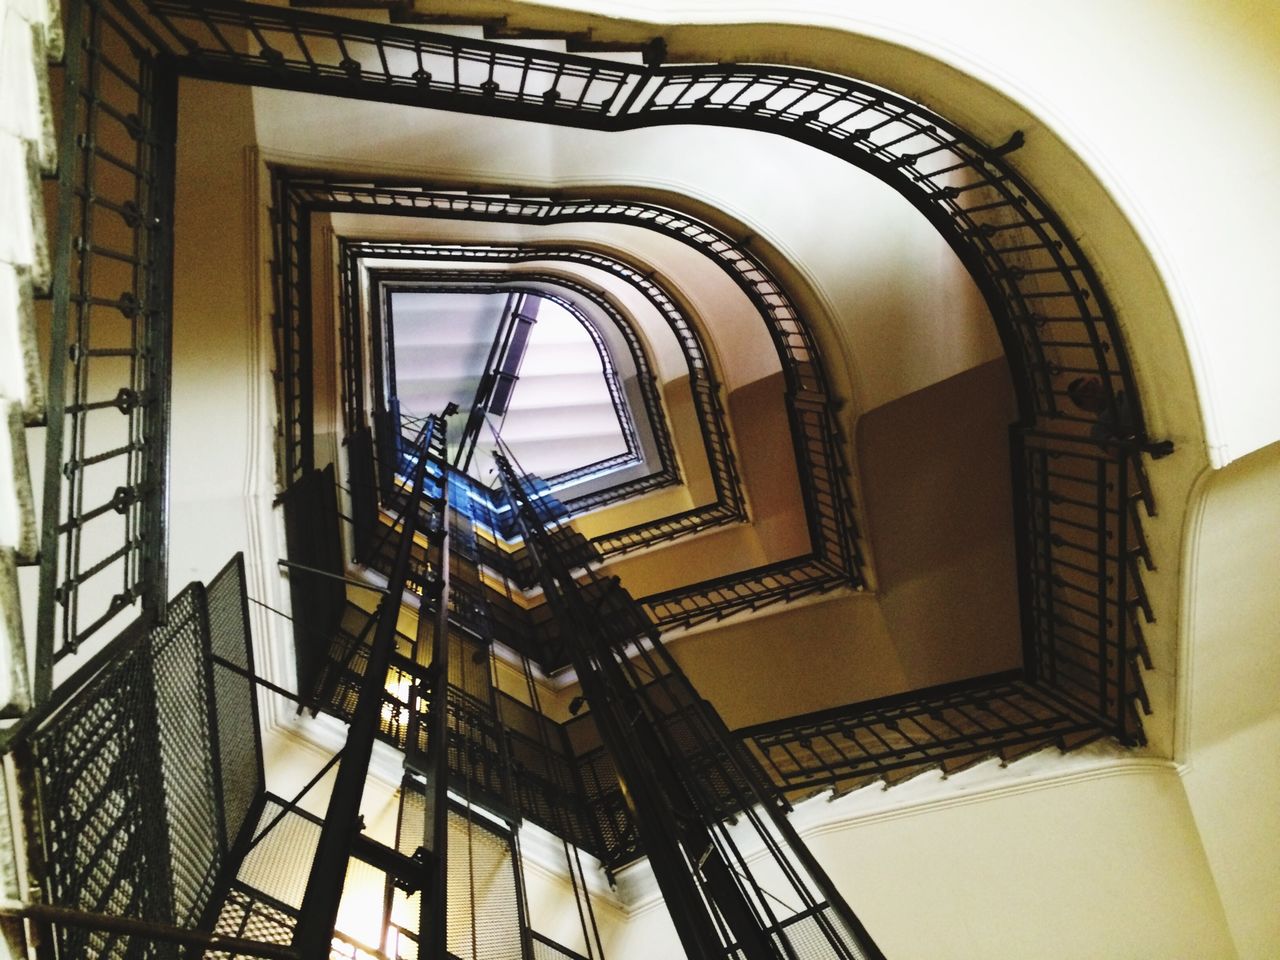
(458, 281)
(1052, 313)
(726, 507)
(819, 462)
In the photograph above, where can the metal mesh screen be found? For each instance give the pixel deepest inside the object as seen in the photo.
(278, 866)
(101, 796)
(809, 936)
(179, 663)
(484, 914)
(545, 949)
(129, 775)
(249, 917)
(239, 755)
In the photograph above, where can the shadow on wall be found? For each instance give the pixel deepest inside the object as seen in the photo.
(938, 507)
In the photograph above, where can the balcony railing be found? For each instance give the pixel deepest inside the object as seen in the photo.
(446, 281)
(110, 299)
(819, 458)
(946, 728)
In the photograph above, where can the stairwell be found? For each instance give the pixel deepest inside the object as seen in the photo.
(30, 35)
(993, 725)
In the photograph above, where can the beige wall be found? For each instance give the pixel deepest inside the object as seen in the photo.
(794, 659)
(1230, 721)
(215, 335)
(1107, 867)
(937, 498)
(1104, 144)
(935, 487)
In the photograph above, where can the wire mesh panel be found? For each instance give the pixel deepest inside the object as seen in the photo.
(102, 803)
(179, 656)
(950, 726)
(130, 774)
(810, 934)
(278, 865)
(239, 756)
(545, 785)
(103, 539)
(485, 921)
(544, 948)
(1083, 597)
(126, 788)
(247, 915)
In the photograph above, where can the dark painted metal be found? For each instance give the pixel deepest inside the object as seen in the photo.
(341, 823)
(493, 384)
(45, 916)
(480, 402)
(1014, 246)
(433, 905)
(947, 726)
(649, 803)
(710, 421)
(797, 351)
(670, 749)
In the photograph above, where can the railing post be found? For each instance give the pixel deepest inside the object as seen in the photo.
(433, 901)
(675, 840)
(319, 910)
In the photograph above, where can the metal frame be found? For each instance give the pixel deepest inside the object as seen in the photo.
(947, 727)
(109, 341)
(684, 779)
(319, 909)
(1050, 309)
(835, 559)
(727, 505)
(459, 281)
(1052, 313)
(127, 774)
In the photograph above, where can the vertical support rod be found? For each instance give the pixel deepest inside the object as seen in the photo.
(642, 782)
(69, 157)
(163, 133)
(433, 904)
(323, 893)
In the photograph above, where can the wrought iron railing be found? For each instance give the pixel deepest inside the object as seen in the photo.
(819, 459)
(685, 778)
(894, 738)
(292, 326)
(1054, 317)
(351, 252)
(544, 948)
(1080, 556)
(460, 281)
(140, 780)
(103, 546)
(726, 507)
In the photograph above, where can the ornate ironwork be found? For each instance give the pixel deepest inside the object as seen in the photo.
(835, 558)
(894, 738)
(146, 768)
(103, 547)
(1053, 315)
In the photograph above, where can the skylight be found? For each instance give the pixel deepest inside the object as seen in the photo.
(561, 414)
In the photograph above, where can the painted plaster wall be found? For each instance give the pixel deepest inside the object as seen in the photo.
(1229, 720)
(1106, 866)
(1104, 93)
(863, 264)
